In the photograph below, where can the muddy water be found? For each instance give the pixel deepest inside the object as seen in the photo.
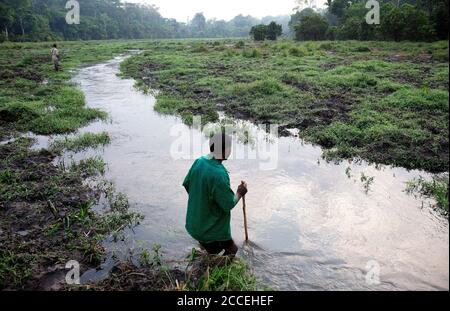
(311, 226)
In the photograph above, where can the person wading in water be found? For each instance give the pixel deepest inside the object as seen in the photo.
(211, 199)
(55, 57)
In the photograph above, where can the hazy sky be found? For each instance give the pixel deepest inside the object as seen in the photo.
(222, 9)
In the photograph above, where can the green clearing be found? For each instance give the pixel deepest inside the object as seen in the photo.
(384, 102)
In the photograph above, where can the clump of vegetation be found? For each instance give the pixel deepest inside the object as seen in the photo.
(328, 46)
(185, 108)
(89, 167)
(348, 172)
(362, 48)
(231, 53)
(200, 48)
(262, 87)
(437, 188)
(232, 276)
(240, 44)
(251, 53)
(80, 143)
(15, 268)
(367, 182)
(298, 51)
(152, 260)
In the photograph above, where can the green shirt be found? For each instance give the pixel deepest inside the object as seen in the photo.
(210, 201)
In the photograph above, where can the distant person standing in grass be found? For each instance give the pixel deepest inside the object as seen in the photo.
(55, 57)
(211, 199)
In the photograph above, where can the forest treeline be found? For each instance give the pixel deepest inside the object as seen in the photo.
(40, 20)
(412, 20)
(35, 20)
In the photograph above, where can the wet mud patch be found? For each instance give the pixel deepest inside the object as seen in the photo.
(147, 69)
(319, 111)
(303, 86)
(128, 277)
(332, 107)
(46, 219)
(336, 63)
(22, 73)
(417, 59)
(202, 272)
(202, 94)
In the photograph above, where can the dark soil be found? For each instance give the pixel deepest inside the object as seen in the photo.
(29, 206)
(41, 224)
(419, 59)
(22, 73)
(128, 277)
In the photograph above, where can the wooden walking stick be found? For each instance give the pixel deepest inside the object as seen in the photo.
(245, 219)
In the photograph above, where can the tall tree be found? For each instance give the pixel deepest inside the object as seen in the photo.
(21, 8)
(198, 23)
(311, 27)
(274, 31)
(297, 17)
(259, 32)
(6, 19)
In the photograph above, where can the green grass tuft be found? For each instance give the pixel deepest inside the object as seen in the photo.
(437, 188)
(234, 276)
(80, 143)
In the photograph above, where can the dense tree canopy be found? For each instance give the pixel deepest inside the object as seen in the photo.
(274, 31)
(312, 26)
(415, 20)
(31, 20)
(269, 32)
(259, 32)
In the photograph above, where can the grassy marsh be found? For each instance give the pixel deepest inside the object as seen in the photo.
(384, 102)
(33, 97)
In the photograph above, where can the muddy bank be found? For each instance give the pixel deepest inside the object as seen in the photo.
(198, 272)
(46, 218)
